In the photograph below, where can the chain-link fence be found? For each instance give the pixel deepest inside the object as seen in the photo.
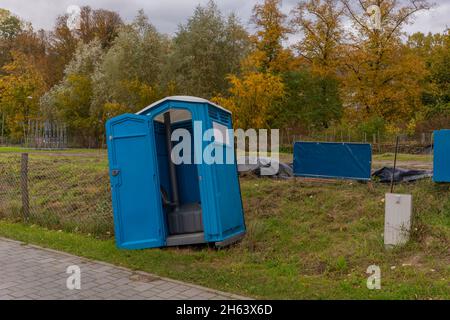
(59, 191)
(420, 143)
(69, 189)
(54, 141)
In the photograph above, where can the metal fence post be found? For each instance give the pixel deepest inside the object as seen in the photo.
(24, 186)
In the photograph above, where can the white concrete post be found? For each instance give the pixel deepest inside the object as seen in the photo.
(397, 219)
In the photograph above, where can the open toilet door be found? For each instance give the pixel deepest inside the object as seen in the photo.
(138, 219)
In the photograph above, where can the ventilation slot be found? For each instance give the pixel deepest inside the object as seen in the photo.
(219, 116)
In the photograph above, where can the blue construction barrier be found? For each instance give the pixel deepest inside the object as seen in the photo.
(441, 165)
(333, 160)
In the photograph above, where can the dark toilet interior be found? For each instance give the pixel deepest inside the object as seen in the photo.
(179, 183)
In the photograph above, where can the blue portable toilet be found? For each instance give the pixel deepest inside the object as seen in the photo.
(158, 203)
(441, 159)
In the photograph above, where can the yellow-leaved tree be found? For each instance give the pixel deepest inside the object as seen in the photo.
(269, 55)
(253, 99)
(255, 94)
(320, 22)
(381, 78)
(20, 90)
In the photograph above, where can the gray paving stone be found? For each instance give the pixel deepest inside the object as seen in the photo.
(30, 272)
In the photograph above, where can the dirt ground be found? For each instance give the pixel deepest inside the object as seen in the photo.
(418, 165)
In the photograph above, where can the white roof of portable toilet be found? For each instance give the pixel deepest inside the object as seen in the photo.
(183, 99)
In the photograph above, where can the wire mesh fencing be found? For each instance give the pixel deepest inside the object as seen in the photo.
(69, 192)
(421, 143)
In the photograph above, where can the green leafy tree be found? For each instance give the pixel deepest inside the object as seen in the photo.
(205, 50)
(305, 105)
(434, 50)
(131, 72)
(10, 27)
(71, 100)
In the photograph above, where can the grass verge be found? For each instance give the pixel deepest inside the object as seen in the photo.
(305, 241)
(72, 151)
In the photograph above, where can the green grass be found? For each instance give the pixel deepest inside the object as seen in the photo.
(305, 240)
(62, 151)
(70, 191)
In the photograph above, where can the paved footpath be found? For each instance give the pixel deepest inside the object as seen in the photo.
(31, 272)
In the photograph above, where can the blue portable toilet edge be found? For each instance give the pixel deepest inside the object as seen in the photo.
(441, 157)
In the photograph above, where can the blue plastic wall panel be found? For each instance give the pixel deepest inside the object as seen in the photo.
(187, 174)
(441, 170)
(333, 160)
(138, 219)
(227, 188)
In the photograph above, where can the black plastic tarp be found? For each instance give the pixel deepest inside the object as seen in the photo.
(253, 165)
(273, 167)
(401, 175)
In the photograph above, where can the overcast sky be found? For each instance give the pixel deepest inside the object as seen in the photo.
(167, 14)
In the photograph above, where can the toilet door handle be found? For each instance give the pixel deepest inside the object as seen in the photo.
(115, 172)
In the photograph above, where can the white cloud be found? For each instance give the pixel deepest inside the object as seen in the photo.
(434, 20)
(166, 15)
